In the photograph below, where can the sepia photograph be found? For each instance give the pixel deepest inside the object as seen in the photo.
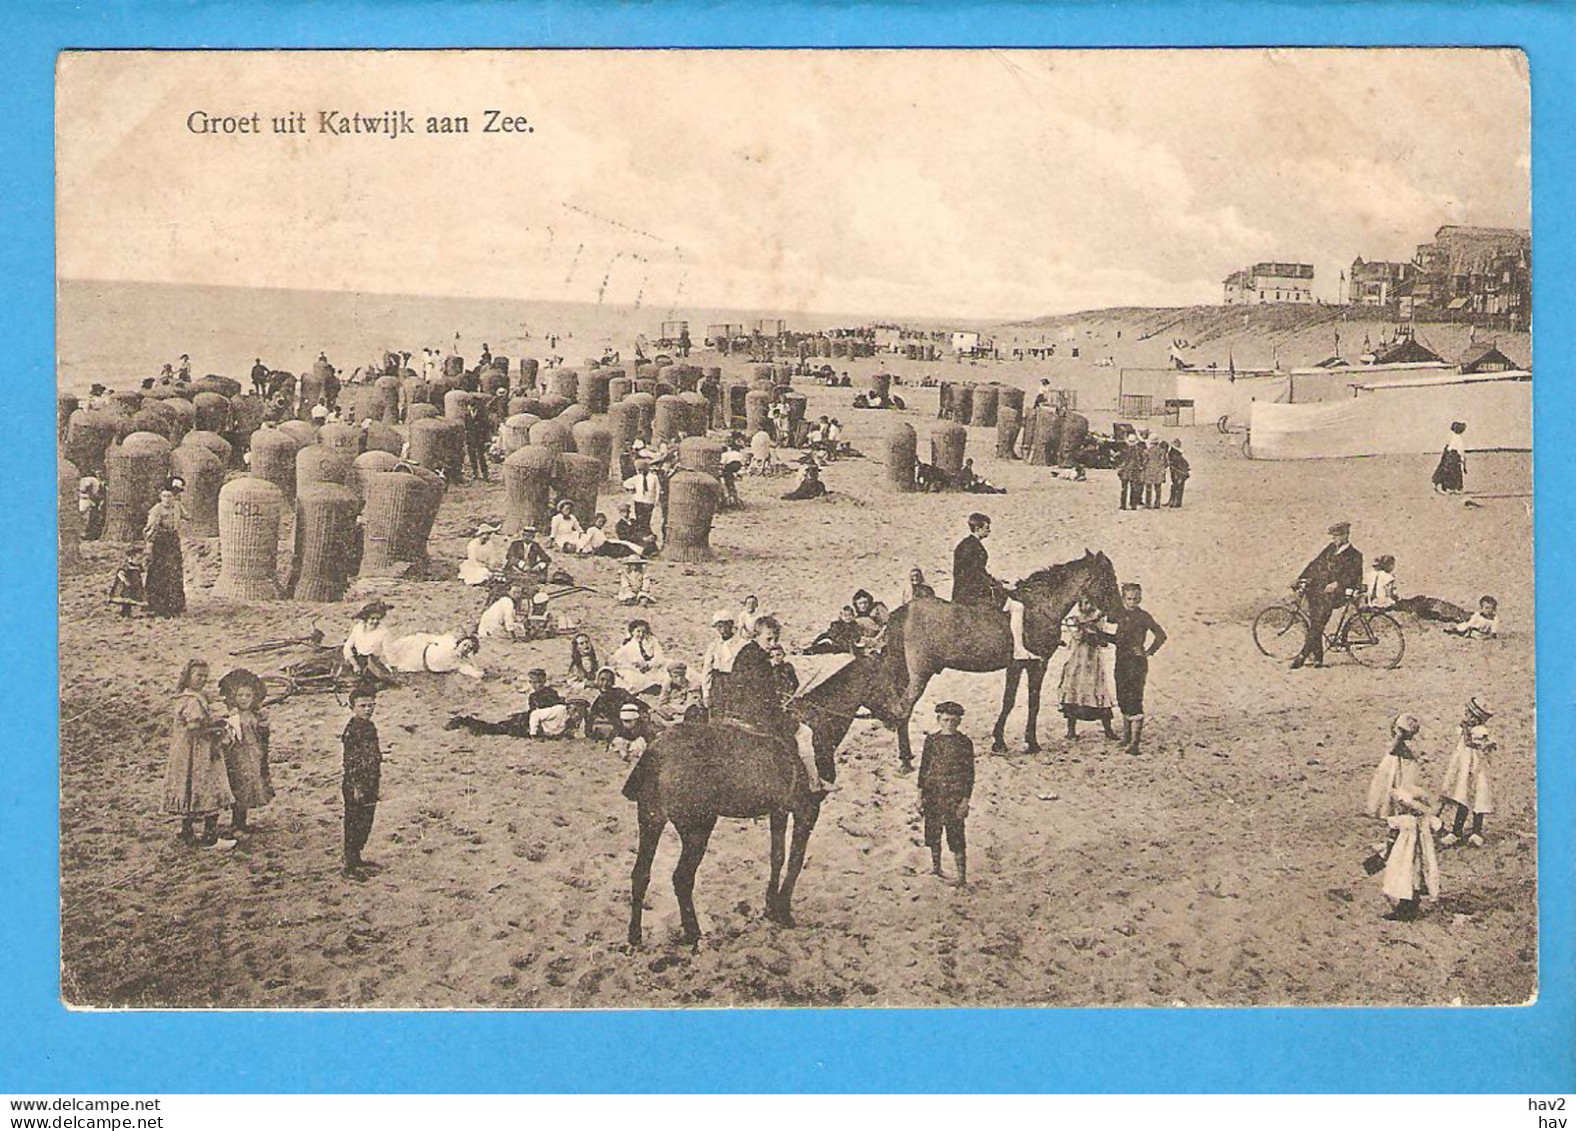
(675, 529)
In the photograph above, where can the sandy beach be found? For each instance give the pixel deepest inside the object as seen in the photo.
(1220, 867)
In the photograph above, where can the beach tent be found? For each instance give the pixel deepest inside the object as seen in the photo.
(1400, 416)
(1311, 386)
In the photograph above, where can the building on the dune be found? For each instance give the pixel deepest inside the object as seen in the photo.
(1405, 350)
(1269, 282)
(1485, 357)
(1374, 282)
(1478, 275)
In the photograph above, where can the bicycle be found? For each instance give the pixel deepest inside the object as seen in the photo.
(1372, 637)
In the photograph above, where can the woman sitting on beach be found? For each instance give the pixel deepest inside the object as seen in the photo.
(639, 661)
(583, 662)
(485, 555)
(365, 650)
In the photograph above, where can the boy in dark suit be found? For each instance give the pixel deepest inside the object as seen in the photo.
(946, 781)
(363, 768)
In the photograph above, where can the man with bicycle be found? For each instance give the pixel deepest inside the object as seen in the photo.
(1327, 583)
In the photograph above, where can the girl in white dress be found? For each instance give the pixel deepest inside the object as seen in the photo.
(1466, 784)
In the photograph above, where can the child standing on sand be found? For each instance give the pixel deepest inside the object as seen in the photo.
(1400, 769)
(1466, 783)
(246, 746)
(946, 782)
(363, 771)
(126, 591)
(1411, 868)
(1134, 627)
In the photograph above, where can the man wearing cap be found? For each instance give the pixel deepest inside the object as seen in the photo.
(972, 583)
(1327, 583)
(716, 665)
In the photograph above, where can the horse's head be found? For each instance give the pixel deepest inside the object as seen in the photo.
(1100, 583)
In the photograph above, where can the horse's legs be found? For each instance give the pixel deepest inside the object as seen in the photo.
(803, 825)
(905, 712)
(1009, 697)
(652, 823)
(779, 823)
(1036, 681)
(695, 835)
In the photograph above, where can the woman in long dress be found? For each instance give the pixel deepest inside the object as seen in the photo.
(246, 745)
(1085, 693)
(165, 585)
(1450, 476)
(196, 782)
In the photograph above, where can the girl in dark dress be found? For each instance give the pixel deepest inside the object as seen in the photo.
(166, 579)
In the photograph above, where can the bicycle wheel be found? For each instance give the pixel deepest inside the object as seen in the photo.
(1280, 631)
(1375, 640)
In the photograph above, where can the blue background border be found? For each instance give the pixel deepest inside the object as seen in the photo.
(44, 1048)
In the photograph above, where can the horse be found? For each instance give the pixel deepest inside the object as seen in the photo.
(928, 635)
(695, 773)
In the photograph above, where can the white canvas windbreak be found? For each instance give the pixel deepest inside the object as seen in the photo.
(1398, 418)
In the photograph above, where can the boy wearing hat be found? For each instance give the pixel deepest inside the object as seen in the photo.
(1327, 583)
(634, 587)
(363, 767)
(946, 781)
(717, 662)
(629, 733)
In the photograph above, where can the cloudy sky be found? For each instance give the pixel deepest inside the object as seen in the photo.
(972, 184)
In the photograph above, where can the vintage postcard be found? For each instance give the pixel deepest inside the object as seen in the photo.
(646, 529)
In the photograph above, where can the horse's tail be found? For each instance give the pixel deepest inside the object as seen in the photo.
(636, 781)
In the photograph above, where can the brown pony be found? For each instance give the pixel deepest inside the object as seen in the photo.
(929, 635)
(695, 773)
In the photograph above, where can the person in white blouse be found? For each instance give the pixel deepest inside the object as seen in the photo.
(437, 653)
(501, 621)
(1381, 585)
(485, 555)
(639, 662)
(748, 615)
(717, 662)
(566, 533)
(366, 646)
